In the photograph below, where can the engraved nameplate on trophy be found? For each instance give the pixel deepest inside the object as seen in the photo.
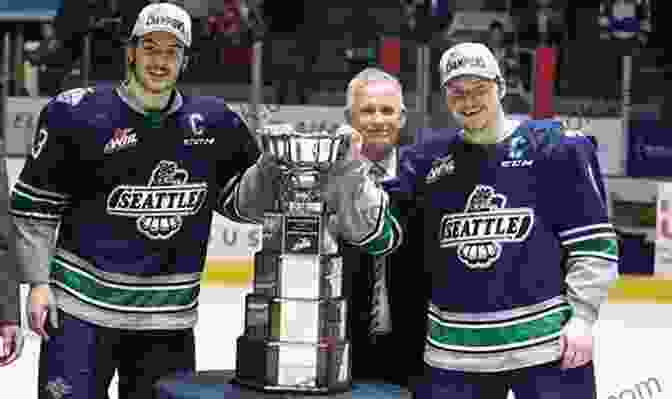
(295, 320)
(276, 276)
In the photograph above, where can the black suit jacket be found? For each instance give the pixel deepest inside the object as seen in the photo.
(395, 357)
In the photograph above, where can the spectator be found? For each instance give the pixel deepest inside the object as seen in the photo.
(294, 45)
(227, 22)
(228, 29)
(63, 47)
(110, 21)
(625, 20)
(541, 25)
(507, 54)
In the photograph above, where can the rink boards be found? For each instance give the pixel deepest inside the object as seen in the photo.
(238, 271)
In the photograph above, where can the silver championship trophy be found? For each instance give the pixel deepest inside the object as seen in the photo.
(295, 336)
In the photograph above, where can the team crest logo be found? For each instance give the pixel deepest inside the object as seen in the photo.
(161, 205)
(121, 139)
(441, 167)
(485, 224)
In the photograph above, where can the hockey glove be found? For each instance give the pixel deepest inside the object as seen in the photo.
(258, 190)
(358, 203)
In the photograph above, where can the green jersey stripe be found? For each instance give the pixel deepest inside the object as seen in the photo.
(138, 299)
(22, 203)
(150, 282)
(603, 246)
(506, 336)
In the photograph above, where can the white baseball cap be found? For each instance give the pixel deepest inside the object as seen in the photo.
(473, 59)
(164, 17)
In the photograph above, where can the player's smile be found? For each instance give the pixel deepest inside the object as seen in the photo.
(158, 76)
(473, 112)
(376, 134)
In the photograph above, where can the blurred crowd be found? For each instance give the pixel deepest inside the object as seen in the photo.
(313, 46)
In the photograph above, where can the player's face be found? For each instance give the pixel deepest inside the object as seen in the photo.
(473, 101)
(158, 58)
(376, 114)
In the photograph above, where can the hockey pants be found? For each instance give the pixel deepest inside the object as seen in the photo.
(547, 381)
(80, 359)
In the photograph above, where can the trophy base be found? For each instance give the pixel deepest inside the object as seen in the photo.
(276, 366)
(254, 384)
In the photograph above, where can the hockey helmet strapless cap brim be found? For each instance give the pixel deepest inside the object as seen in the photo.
(164, 17)
(470, 59)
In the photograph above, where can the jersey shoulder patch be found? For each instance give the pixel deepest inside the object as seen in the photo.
(423, 157)
(546, 136)
(217, 112)
(74, 97)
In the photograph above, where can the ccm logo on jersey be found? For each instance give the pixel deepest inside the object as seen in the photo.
(485, 224)
(160, 205)
(517, 163)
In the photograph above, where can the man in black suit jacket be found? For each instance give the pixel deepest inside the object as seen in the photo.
(386, 296)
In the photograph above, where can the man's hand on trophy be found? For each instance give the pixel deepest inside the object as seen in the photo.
(258, 190)
(352, 194)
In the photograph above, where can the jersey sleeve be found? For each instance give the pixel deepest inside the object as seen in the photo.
(42, 193)
(579, 219)
(404, 185)
(9, 283)
(231, 170)
(46, 178)
(578, 194)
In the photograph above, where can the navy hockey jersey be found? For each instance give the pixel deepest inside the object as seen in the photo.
(517, 242)
(133, 198)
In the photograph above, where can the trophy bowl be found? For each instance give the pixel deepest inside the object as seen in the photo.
(304, 146)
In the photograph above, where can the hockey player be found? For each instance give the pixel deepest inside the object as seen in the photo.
(128, 176)
(381, 316)
(517, 242)
(11, 336)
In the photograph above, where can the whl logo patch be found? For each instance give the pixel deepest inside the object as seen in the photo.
(485, 224)
(161, 205)
(121, 138)
(441, 167)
